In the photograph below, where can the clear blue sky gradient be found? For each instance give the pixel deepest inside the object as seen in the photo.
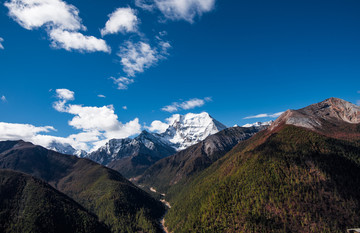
(251, 57)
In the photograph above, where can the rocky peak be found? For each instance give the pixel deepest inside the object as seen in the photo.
(312, 116)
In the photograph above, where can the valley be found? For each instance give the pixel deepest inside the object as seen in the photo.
(298, 174)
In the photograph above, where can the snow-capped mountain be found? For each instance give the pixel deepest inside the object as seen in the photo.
(63, 148)
(132, 156)
(258, 124)
(145, 143)
(190, 129)
(66, 148)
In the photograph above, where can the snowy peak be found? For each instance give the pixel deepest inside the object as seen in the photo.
(313, 116)
(63, 148)
(189, 129)
(258, 124)
(144, 143)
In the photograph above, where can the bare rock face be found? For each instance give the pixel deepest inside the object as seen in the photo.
(313, 117)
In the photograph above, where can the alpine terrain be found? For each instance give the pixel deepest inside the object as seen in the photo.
(302, 174)
(175, 170)
(131, 157)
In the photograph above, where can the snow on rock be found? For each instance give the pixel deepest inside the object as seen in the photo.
(258, 124)
(187, 130)
(64, 148)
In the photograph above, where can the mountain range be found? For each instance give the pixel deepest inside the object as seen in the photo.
(179, 167)
(300, 173)
(131, 157)
(116, 202)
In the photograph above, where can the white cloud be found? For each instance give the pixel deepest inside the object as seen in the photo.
(34, 134)
(77, 41)
(1, 40)
(101, 96)
(124, 107)
(122, 82)
(122, 20)
(178, 9)
(186, 105)
(136, 57)
(10, 131)
(193, 103)
(170, 108)
(158, 126)
(145, 4)
(3, 98)
(61, 21)
(65, 94)
(32, 14)
(263, 115)
(95, 123)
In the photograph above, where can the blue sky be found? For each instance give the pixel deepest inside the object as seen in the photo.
(233, 59)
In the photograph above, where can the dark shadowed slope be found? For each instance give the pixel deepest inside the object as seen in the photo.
(178, 168)
(28, 204)
(284, 179)
(117, 202)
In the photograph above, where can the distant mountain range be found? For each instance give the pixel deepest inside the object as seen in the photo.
(131, 157)
(258, 124)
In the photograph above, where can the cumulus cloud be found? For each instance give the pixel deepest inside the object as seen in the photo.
(264, 115)
(60, 19)
(32, 14)
(122, 20)
(101, 96)
(35, 134)
(10, 131)
(186, 105)
(3, 98)
(95, 123)
(65, 94)
(77, 41)
(178, 9)
(157, 126)
(1, 40)
(122, 82)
